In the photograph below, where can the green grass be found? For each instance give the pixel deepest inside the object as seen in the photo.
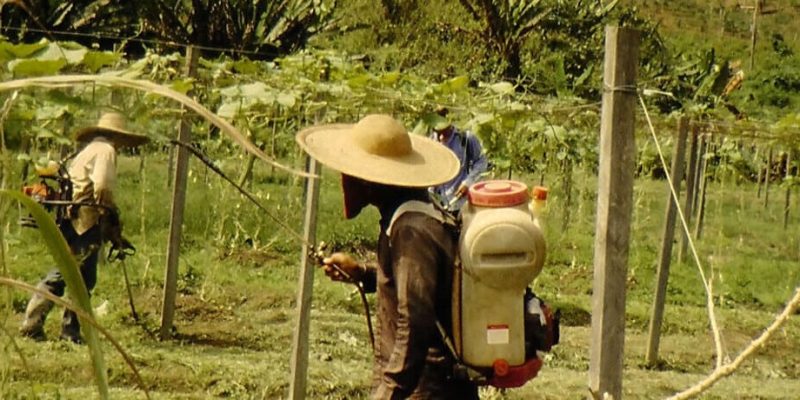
(235, 306)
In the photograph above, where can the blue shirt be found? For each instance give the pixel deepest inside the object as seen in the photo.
(467, 147)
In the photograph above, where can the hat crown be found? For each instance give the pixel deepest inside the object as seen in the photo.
(113, 121)
(382, 135)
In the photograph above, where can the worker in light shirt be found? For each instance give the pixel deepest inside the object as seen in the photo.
(93, 174)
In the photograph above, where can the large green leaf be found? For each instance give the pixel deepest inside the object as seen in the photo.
(453, 85)
(287, 99)
(255, 90)
(94, 60)
(390, 78)
(182, 86)
(68, 267)
(10, 51)
(359, 81)
(33, 67)
(502, 88)
(50, 112)
(73, 53)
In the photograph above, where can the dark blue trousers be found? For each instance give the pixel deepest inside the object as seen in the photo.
(85, 247)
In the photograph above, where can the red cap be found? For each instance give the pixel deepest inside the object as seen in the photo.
(498, 193)
(500, 367)
(539, 193)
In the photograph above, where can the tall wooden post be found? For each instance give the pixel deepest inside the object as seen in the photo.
(788, 201)
(701, 151)
(664, 257)
(614, 205)
(690, 189)
(759, 178)
(702, 188)
(768, 177)
(754, 33)
(176, 219)
(299, 366)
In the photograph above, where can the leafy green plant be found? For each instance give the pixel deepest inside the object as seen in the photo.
(262, 27)
(69, 270)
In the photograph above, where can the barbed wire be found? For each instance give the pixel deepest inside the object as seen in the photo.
(140, 40)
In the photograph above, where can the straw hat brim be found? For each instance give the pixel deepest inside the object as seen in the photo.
(119, 137)
(428, 164)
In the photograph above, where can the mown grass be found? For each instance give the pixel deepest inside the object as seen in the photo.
(238, 282)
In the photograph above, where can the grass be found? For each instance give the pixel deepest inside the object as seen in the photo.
(238, 281)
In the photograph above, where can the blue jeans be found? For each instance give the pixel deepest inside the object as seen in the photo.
(85, 248)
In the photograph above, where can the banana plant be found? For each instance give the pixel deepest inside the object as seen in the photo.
(506, 24)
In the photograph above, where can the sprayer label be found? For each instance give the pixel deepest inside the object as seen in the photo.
(497, 334)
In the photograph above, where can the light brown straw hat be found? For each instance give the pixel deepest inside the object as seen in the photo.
(379, 149)
(112, 127)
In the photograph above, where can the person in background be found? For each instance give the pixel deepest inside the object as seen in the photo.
(474, 165)
(383, 166)
(93, 174)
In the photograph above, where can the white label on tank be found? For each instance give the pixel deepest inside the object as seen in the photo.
(497, 334)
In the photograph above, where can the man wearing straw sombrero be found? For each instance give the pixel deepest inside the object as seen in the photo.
(93, 174)
(384, 166)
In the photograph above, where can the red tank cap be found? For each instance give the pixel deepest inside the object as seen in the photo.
(539, 193)
(500, 367)
(498, 193)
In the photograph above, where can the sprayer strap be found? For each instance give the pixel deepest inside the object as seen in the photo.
(415, 206)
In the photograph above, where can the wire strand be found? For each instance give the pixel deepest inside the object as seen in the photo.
(139, 40)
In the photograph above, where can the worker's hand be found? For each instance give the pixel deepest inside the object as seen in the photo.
(461, 191)
(341, 267)
(105, 198)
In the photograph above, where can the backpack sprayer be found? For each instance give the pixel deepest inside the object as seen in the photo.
(54, 192)
(501, 329)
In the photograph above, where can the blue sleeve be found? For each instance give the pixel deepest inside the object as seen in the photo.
(476, 159)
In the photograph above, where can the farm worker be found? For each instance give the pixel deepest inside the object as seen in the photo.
(467, 147)
(384, 166)
(93, 174)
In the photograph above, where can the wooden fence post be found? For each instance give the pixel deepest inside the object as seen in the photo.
(657, 314)
(299, 366)
(768, 177)
(788, 200)
(703, 186)
(614, 204)
(760, 176)
(690, 189)
(701, 149)
(176, 219)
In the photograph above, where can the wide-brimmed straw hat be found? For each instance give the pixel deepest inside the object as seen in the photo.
(112, 127)
(379, 149)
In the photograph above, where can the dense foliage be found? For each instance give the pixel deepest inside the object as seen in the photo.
(260, 28)
(542, 116)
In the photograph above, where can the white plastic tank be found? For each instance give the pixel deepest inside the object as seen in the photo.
(502, 250)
